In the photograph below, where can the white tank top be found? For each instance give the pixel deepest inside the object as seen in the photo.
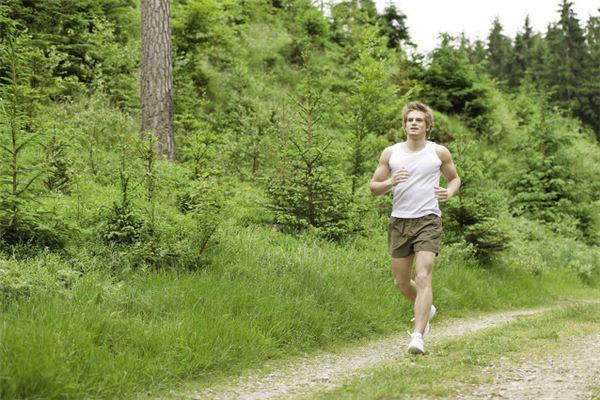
(414, 197)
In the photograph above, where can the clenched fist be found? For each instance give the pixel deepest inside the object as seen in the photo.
(440, 193)
(399, 176)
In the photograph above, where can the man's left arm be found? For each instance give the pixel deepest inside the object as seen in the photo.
(449, 171)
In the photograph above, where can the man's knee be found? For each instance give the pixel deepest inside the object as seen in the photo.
(423, 279)
(402, 284)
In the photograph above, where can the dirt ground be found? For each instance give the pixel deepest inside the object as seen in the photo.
(564, 375)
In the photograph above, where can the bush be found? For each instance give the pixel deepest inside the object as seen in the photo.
(307, 190)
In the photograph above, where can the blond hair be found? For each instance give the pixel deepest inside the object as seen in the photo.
(418, 106)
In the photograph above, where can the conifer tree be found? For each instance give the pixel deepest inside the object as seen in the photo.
(478, 53)
(372, 106)
(393, 25)
(157, 75)
(66, 27)
(452, 85)
(499, 53)
(307, 190)
(522, 54)
(566, 45)
(590, 91)
(540, 66)
(19, 171)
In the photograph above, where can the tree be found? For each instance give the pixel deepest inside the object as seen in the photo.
(499, 53)
(522, 54)
(566, 45)
(590, 99)
(451, 84)
(306, 190)
(20, 221)
(157, 75)
(477, 213)
(373, 107)
(67, 25)
(393, 25)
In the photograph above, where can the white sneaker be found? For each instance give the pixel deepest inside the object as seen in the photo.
(431, 314)
(416, 345)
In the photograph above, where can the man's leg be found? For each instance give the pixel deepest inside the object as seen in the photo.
(401, 269)
(424, 295)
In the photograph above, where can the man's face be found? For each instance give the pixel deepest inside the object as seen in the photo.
(415, 124)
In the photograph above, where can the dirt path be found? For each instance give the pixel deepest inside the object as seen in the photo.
(567, 374)
(329, 371)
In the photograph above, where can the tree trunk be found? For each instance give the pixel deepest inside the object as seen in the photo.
(157, 75)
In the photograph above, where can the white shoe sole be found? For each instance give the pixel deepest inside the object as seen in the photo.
(415, 350)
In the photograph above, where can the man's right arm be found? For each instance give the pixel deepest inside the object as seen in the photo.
(380, 182)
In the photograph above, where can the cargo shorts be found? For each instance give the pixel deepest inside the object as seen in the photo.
(409, 235)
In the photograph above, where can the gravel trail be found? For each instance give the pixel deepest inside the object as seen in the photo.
(565, 375)
(328, 371)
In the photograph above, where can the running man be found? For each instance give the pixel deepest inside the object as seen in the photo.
(411, 169)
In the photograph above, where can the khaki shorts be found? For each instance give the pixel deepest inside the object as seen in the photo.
(408, 235)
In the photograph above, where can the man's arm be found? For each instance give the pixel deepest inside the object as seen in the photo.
(380, 182)
(449, 171)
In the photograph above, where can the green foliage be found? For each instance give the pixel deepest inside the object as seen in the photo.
(479, 214)
(372, 105)
(181, 252)
(34, 277)
(199, 24)
(590, 90)
(393, 25)
(59, 174)
(66, 25)
(307, 190)
(204, 201)
(566, 45)
(523, 54)
(20, 222)
(500, 53)
(548, 188)
(123, 224)
(452, 86)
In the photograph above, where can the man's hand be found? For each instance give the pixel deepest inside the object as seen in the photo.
(399, 176)
(441, 193)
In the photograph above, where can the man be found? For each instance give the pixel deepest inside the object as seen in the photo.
(411, 169)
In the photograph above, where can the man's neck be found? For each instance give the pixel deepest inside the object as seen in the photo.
(415, 144)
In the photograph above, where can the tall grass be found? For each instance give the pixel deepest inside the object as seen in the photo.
(265, 295)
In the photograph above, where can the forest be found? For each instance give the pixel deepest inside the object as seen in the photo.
(257, 237)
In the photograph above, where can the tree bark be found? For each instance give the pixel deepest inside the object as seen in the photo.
(157, 75)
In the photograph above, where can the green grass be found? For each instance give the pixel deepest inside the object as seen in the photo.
(264, 296)
(456, 366)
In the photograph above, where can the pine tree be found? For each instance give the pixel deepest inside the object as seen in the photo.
(372, 106)
(540, 67)
(20, 172)
(522, 54)
(590, 90)
(307, 191)
(478, 52)
(452, 85)
(567, 53)
(393, 25)
(157, 75)
(499, 53)
(66, 26)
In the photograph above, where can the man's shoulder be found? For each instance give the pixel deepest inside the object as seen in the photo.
(442, 152)
(387, 152)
